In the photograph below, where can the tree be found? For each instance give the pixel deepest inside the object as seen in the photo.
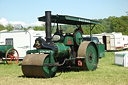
(119, 24)
(36, 27)
(9, 27)
(1, 27)
(39, 28)
(99, 29)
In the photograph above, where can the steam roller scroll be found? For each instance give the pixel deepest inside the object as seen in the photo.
(33, 66)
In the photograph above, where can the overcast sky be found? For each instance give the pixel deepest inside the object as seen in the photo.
(26, 12)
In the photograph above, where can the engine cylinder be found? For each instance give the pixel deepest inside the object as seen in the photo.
(62, 50)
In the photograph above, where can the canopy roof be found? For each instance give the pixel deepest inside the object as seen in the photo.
(65, 19)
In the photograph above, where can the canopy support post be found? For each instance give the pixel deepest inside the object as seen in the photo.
(91, 28)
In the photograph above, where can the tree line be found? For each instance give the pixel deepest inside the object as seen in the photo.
(108, 25)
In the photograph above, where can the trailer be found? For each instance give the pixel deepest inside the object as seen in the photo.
(113, 41)
(125, 41)
(21, 40)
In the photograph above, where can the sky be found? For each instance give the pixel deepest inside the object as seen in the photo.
(26, 12)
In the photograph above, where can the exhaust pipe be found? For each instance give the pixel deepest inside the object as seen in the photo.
(48, 26)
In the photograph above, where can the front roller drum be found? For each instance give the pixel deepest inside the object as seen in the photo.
(33, 65)
(88, 50)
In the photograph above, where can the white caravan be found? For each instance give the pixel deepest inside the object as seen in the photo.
(21, 40)
(125, 41)
(112, 41)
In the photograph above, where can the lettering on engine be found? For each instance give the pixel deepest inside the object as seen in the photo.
(69, 41)
(83, 20)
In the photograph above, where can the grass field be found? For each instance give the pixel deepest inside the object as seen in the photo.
(106, 74)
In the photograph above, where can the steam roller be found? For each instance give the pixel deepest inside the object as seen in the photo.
(62, 49)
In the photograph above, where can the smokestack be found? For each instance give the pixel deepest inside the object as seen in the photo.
(48, 26)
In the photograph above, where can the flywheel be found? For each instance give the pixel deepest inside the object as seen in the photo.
(77, 36)
(88, 50)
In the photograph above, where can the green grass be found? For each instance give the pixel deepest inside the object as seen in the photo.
(106, 74)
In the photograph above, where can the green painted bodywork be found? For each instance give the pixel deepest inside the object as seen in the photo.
(101, 50)
(65, 19)
(5, 48)
(68, 40)
(63, 50)
(49, 71)
(78, 38)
